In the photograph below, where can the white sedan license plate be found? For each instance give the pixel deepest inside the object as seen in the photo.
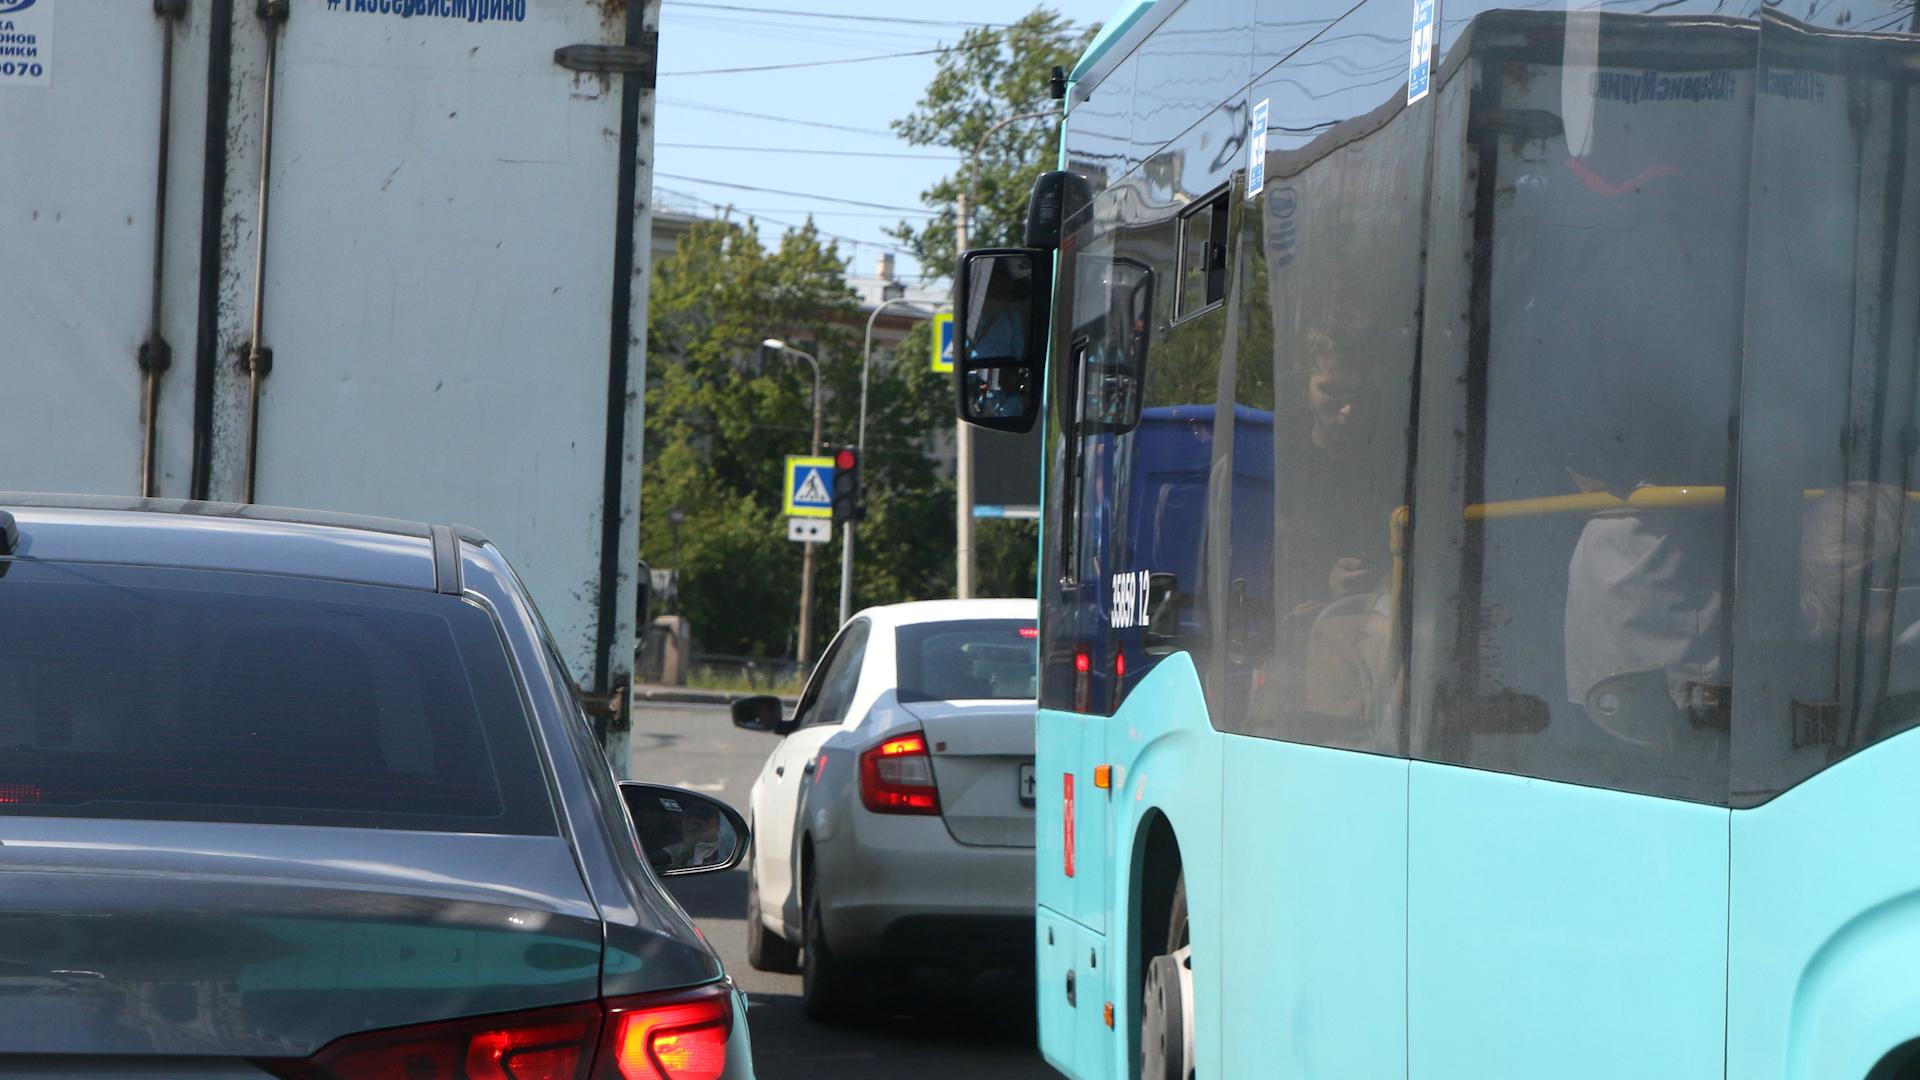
(1026, 784)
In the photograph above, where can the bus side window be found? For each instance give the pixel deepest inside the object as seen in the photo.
(1070, 434)
(1100, 390)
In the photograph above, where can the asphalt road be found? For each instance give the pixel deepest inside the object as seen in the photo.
(951, 1029)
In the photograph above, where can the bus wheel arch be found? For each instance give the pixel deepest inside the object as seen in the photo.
(1901, 1063)
(1161, 981)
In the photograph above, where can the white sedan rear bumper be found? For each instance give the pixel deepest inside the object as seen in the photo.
(900, 887)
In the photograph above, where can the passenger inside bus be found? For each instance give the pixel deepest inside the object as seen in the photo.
(1643, 594)
(1335, 500)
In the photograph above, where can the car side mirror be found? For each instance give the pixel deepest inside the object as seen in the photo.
(684, 832)
(1000, 335)
(762, 712)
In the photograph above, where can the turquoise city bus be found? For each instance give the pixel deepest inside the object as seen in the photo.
(1477, 633)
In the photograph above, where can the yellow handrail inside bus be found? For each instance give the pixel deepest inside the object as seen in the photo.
(1594, 502)
(1650, 497)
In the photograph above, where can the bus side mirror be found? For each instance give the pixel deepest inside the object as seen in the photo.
(1056, 199)
(1000, 335)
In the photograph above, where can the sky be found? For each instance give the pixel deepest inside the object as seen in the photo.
(698, 151)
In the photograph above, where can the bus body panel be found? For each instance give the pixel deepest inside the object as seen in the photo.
(1665, 259)
(1314, 890)
(1068, 746)
(1163, 766)
(1072, 907)
(1826, 921)
(1562, 931)
(1167, 763)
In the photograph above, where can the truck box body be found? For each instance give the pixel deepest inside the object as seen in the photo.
(449, 266)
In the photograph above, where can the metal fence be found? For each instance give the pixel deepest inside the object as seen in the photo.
(743, 672)
(713, 670)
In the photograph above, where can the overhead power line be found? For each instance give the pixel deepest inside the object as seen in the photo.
(856, 242)
(791, 33)
(828, 212)
(835, 63)
(840, 16)
(794, 194)
(806, 150)
(679, 103)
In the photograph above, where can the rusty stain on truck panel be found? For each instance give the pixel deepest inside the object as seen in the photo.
(613, 16)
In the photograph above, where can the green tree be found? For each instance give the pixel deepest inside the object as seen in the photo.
(992, 74)
(722, 415)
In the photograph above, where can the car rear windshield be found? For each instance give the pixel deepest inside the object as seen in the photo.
(137, 692)
(968, 660)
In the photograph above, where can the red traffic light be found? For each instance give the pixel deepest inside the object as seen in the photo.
(843, 460)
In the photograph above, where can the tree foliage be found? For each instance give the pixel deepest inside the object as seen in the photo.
(723, 414)
(992, 74)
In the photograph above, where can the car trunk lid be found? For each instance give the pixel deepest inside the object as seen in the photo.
(225, 941)
(982, 754)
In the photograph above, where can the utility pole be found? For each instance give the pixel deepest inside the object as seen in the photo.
(803, 650)
(963, 440)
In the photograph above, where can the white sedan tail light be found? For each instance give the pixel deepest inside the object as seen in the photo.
(896, 777)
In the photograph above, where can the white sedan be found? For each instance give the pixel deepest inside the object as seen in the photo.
(893, 825)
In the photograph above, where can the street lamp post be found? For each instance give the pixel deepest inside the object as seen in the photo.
(860, 451)
(806, 556)
(963, 432)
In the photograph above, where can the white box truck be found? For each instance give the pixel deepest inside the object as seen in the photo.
(379, 256)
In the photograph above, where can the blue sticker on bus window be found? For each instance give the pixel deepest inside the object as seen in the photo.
(1420, 59)
(1257, 150)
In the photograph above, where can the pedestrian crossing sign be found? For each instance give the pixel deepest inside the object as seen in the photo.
(809, 487)
(943, 342)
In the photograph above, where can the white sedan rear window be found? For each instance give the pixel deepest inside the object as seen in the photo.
(978, 659)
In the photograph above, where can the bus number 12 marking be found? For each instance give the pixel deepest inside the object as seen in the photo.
(1129, 605)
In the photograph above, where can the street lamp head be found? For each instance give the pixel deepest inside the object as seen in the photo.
(775, 344)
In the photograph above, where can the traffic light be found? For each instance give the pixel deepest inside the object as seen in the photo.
(846, 485)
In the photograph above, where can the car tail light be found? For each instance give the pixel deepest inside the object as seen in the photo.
(896, 777)
(679, 1037)
(676, 1036)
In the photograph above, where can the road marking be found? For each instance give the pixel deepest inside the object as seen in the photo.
(692, 786)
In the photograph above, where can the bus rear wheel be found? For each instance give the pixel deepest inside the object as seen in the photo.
(1166, 1000)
